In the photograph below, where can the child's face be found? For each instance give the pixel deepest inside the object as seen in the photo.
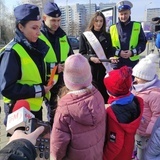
(139, 81)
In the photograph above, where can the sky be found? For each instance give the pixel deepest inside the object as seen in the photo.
(137, 12)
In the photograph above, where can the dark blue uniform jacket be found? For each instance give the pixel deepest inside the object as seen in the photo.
(10, 68)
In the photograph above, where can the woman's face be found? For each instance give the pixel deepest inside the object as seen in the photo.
(31, 30)
(98, 23)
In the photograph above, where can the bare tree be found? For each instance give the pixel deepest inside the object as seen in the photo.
(74, 28)
(7, 24)
(1, 18)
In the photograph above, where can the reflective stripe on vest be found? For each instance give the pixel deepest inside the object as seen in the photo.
(29, 72)
(51, 56)
(8, 46)
(133, 39)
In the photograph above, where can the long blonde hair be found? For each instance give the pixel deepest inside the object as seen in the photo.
(62, 92)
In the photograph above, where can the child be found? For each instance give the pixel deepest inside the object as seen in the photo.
(123, 115)
(79, 125)
(147, 86)
(152, 151)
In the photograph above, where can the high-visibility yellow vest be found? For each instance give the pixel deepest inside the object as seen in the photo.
(29, 72)
(51, 56)
(133, 39)
(64, 49)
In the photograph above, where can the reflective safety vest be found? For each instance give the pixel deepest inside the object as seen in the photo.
(64, 49)
(29, 72)
(133, 39)
(51, 55)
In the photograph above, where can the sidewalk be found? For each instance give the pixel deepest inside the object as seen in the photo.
(3, 138)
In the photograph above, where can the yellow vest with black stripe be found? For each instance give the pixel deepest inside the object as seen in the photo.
(51, 56)
(29, 72)
(133, 39)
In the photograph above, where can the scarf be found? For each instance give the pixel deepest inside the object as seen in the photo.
(121, 100)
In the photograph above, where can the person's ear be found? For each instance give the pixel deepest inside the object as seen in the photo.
(21, 27)
(44, 17)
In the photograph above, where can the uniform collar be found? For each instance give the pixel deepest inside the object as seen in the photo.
(125, 23)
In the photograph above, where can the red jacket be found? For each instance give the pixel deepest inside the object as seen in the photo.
(120, 136)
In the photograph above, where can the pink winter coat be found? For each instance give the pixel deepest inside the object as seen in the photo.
(151, 112)
(79, 127)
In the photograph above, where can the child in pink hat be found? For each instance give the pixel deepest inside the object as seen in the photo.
(79, 124)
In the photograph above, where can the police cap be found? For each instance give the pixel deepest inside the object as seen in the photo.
(124, 5)
(51, 9)
(27, 12)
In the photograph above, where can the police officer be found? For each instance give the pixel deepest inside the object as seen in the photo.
(22, 65)
(58, 42)
(127, 36)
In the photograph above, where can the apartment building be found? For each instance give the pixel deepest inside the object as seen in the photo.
(76, 17)
(152, 12)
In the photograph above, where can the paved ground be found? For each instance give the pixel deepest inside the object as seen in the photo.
(4, 139)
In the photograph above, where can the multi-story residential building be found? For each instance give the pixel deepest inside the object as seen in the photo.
(90, 10)
(152, 12)
(75, 17)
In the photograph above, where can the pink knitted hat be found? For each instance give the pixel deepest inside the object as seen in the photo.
(77, 72)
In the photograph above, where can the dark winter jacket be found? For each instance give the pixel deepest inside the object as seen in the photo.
(20, 149)
(54, 40)
(98, 70)
(10, 69)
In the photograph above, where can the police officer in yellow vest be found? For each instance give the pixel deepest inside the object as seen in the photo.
(60, 48)
(127, 36)
(22, 65)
